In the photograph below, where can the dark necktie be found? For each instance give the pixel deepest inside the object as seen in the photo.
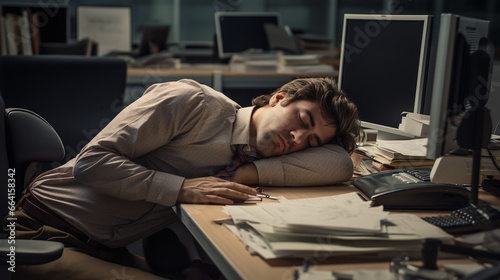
(240, 157)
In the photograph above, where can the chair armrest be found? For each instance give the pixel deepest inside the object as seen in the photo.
(30, 251)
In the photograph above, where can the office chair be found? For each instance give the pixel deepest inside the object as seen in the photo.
(25, 137)
(77, 95)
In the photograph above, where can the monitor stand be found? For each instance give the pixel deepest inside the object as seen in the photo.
(474, 131)
(480, 127)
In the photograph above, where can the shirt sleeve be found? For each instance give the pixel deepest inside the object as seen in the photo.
(109, 163)
(325, 165)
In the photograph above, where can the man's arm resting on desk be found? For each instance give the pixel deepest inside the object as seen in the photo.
(325, 165)
(246, 174)
(213, 190)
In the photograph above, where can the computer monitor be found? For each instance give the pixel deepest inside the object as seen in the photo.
(154, 39)
(240, 31)
(463, 68)
(459, 38)
(382, 68)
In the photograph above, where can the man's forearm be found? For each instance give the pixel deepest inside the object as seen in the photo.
(325, 165)
(247, 175)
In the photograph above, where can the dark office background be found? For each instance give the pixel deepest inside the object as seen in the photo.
(192, 21)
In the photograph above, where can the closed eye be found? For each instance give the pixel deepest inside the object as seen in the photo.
(306, 118)
(317, 141)
(308, 122)
(302, 121)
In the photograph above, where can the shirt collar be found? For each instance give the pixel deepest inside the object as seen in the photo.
(241, 128)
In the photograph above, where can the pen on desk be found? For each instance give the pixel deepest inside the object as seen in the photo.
(266, 196)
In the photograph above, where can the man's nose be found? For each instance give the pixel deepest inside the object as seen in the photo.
(298, 135)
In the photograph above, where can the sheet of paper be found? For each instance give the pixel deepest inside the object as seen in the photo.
(275, 233)
(337, 225)
(342, 212)
(412, 224)
(343, 199)
(254, 243)
(294, 248)
(412, 147)
(108, 26)
(250, 213)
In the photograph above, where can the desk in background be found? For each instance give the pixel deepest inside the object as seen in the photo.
(235, 262)
(239, 86)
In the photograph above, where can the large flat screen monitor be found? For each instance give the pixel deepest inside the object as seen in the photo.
(240, 31)
(463, 68)
(459, 38)
(382, 67)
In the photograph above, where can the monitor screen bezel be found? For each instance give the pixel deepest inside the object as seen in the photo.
(389, 131)
(220, 46)
(442, 130)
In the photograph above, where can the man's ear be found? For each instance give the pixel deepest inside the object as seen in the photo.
(276, 98)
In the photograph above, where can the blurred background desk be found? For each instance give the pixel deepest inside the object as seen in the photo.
(239, 86)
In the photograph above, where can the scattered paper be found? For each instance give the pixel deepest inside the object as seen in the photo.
(334, 225)
(411, 147)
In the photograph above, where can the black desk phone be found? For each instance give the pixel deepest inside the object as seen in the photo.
(410, 189)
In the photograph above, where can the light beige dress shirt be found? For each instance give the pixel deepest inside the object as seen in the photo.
(123, 184)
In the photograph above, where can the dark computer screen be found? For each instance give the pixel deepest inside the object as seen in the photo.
(237, 31)
(461, 89)
(51, 21)
(458, 80)
(154, 39)
(383, 65)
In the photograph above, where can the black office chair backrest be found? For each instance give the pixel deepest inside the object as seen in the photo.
(29, 141)
(4, 165)
(77, 95)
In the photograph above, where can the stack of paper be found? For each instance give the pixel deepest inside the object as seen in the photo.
(334, 225)
(389, 154)
(416, 124)
(254, 60)
(302, 63)
(362, 160)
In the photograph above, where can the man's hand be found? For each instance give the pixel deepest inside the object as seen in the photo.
(213, 190)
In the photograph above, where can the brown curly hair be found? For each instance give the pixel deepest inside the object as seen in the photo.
(335, 107)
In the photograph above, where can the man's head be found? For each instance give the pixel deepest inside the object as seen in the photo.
(303, 113)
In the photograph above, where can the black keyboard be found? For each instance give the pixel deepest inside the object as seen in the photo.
(410, 176)
(468, 219)
(422, 174)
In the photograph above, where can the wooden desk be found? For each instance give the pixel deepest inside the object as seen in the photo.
(239, 86)
(218, 76)
(210, 69)
(235, 262)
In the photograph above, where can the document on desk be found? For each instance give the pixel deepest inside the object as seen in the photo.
(413, 147)
(339, 225)
(328, 213)
(344, 213)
